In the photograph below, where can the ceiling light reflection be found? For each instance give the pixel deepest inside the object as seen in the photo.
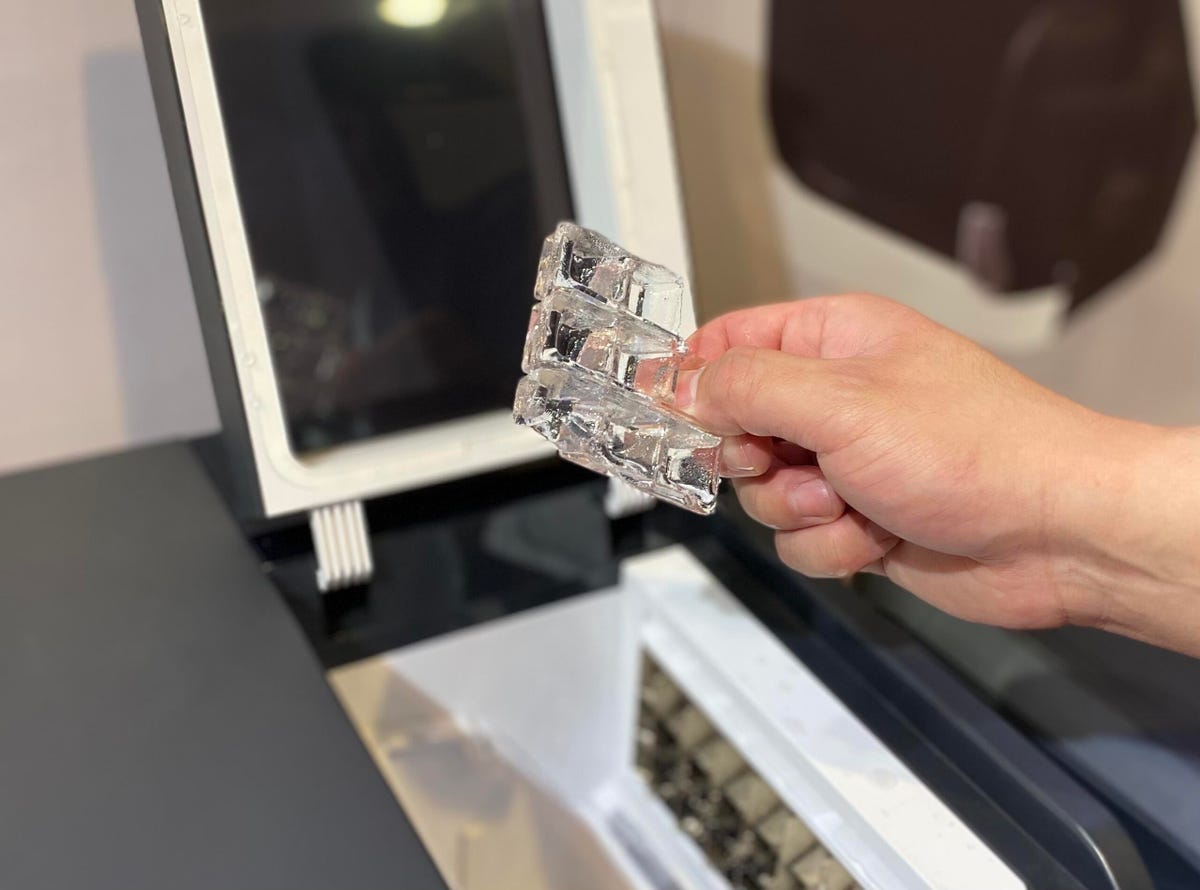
(412, 13)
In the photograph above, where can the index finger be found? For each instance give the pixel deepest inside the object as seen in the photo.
(816, 327)
(794, 327)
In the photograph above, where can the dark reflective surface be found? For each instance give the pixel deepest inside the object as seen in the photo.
(1121, 715)
(454, 556)
(395, 183)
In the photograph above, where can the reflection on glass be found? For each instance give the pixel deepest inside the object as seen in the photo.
(412, 13)
(396, 164)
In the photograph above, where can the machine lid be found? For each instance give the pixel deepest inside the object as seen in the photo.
(363, 192)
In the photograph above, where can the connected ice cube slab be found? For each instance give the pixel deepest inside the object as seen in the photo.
(602, 358)
(587, 263)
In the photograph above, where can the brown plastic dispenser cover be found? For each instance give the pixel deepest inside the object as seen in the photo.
(1036, 141)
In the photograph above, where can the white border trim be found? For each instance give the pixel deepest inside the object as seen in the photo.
(631, 194)
(885, 825)
(617, 128)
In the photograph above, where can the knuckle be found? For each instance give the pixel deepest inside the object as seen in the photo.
(758, 506)
(791, 555)
(837, 561)
(864, 398)
(738, 376)
(810, 557)
(867, 299)
(747, 495)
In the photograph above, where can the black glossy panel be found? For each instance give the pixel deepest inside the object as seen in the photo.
(395, 182)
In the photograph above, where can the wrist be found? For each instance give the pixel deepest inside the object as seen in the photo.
(1129, 528)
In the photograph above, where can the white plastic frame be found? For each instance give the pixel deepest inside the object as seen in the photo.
(621, 163)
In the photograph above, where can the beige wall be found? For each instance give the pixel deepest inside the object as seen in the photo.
(758, 236)
(98, 339)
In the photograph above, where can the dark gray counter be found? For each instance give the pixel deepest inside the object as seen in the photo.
(162, 721)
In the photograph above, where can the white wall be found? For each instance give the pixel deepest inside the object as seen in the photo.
(99, 345)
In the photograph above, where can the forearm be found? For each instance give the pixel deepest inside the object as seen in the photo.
(1131, 560)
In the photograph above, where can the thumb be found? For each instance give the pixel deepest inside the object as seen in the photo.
(764, 392)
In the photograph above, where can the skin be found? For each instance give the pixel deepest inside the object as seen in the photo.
(873, 439)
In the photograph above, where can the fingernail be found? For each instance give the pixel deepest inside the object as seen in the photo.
(813, 499)
(685, 388)
(737, 459)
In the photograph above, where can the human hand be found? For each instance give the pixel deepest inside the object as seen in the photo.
(875, 440)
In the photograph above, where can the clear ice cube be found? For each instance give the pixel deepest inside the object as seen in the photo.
(569, 328)
(602, 358)
(618, 433)
(582, 260)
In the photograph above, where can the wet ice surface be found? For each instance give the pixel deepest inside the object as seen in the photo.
(586, 262)
(566, 328)
(603, 356)
(615, 432)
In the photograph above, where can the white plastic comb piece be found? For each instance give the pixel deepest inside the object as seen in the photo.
(342, 545)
